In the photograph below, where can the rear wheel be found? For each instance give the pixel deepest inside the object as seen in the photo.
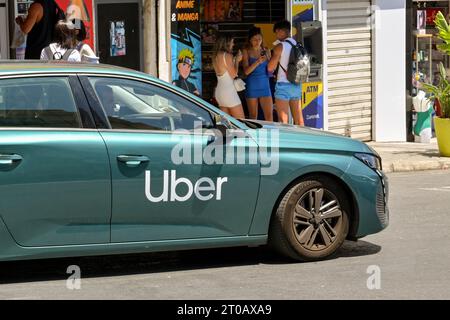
(311, 221)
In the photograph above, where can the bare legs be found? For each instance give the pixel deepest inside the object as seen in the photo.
(283, 111)
(266, 104)
(236, 111)
(297, 114)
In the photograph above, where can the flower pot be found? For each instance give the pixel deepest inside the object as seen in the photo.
(442, 127)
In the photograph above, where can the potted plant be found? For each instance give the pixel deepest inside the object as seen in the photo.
(441, 91)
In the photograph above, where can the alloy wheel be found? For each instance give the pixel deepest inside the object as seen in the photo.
(317, 219)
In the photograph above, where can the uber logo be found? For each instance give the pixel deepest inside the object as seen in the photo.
(204, 189)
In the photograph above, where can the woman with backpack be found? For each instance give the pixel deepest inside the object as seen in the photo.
(287, 94)
(64, 46)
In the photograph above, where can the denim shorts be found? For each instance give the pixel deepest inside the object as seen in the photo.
(288, 91)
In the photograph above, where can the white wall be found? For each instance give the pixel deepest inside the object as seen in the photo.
(389, 63)
(164, 71)
(323, 15)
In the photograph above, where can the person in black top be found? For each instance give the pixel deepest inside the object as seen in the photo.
(39, 26)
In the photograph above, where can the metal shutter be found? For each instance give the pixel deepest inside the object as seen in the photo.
(349, 63)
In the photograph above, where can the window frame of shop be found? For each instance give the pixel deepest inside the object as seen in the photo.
(4, 26)
(411, 26)
(140, 24)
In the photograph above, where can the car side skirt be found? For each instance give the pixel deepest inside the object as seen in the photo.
(10, 250)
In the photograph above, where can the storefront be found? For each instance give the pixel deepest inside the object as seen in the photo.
(423, 57)
(113, 27)
(79, 9)
(358, 84)
(195, 26)
(359, 90)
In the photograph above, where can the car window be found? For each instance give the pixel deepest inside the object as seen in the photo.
(131, 104)
(38, 102)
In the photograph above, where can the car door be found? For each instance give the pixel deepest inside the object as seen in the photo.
(54, 170)
(155, 195)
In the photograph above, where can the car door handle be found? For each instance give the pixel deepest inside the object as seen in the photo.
(10, 158)
(132, 161)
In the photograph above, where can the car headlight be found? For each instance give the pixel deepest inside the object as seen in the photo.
(370, 160)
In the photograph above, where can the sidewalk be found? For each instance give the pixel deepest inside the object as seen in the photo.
(409, 156)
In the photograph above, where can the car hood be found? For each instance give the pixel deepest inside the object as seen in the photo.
(295, 137)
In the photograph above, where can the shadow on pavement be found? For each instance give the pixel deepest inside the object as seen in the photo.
(147, 263)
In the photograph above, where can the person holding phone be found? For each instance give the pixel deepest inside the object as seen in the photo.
(226, 67)
(255, 60)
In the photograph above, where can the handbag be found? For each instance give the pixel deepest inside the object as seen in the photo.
(239, 84)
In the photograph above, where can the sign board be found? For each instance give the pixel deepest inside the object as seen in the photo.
(186, 45)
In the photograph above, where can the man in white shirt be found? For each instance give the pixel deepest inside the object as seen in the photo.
(287, 94)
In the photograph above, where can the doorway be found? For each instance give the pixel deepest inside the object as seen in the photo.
(3, 30)
(119, 37)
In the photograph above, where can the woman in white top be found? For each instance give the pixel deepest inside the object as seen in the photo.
(226, 68)
(65, 39)
(86, 52)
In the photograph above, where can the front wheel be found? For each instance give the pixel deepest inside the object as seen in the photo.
(311, 221)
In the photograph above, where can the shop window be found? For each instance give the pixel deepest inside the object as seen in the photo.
(234, 18)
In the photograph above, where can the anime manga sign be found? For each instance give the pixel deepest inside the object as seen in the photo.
(186, 45)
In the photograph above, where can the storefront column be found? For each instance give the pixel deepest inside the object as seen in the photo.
(322, 11)
(150, 37)
(164, 68)
(4, 30)
(389, 47)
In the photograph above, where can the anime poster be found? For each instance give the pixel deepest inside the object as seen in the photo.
(222, 10)
(186, 45)
(80, 9)
(117, 39)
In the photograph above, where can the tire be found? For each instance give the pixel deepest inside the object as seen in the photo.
(311, 236)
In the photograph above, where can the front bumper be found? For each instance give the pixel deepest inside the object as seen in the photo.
(382, 200)
(370, 189)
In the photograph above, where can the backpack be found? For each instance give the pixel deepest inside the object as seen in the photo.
(299, 65)
(57, 55)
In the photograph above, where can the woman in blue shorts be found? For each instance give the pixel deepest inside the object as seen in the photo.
(255, 59)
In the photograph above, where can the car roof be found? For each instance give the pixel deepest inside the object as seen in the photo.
(9, 67)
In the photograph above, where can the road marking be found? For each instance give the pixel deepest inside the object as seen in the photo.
(443, 189)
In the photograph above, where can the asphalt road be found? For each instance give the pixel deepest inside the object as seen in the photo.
(413, 257)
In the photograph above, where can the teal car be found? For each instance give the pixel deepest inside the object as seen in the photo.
(101, 160)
